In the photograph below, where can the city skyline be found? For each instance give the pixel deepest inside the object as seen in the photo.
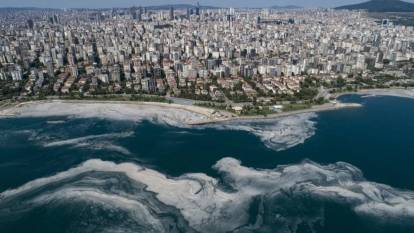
(128, 3)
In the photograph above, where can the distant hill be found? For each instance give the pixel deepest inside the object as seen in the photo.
(381, 6)
(288, 7)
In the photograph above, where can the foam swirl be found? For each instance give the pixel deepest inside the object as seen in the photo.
(208, 206)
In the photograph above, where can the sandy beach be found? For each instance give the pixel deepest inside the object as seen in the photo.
(123, 110)
(185, 114)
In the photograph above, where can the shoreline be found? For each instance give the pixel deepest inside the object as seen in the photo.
(313, 109)
(195, 109)
(13, 109)
(213, 116)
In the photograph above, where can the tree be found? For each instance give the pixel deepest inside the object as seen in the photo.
(340, 82)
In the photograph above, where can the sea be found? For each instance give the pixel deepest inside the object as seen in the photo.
(342, 171)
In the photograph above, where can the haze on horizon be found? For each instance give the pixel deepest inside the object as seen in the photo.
(129, 3)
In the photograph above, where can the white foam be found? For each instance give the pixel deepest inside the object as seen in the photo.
(76, 141)
(137, 210)
(115, 111)
(209, 208)
(98, 142)
(278, 134)
(404, 93)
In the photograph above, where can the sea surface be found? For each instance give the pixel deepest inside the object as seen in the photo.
(349, 170)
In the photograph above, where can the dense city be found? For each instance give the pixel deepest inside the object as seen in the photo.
(222, 58)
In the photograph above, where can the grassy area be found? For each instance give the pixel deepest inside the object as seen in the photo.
(139, 98)
(251, 110)
(295, 107)
(256, 111)
(216, 106)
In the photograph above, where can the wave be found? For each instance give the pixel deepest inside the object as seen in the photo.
(209, 204)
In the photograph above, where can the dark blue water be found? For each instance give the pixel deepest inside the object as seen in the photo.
(377, 139)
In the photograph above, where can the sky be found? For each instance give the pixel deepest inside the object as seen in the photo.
(128, 3)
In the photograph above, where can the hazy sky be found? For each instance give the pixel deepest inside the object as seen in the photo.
(127, 3)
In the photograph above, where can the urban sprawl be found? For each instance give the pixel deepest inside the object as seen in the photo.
(218, 57)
